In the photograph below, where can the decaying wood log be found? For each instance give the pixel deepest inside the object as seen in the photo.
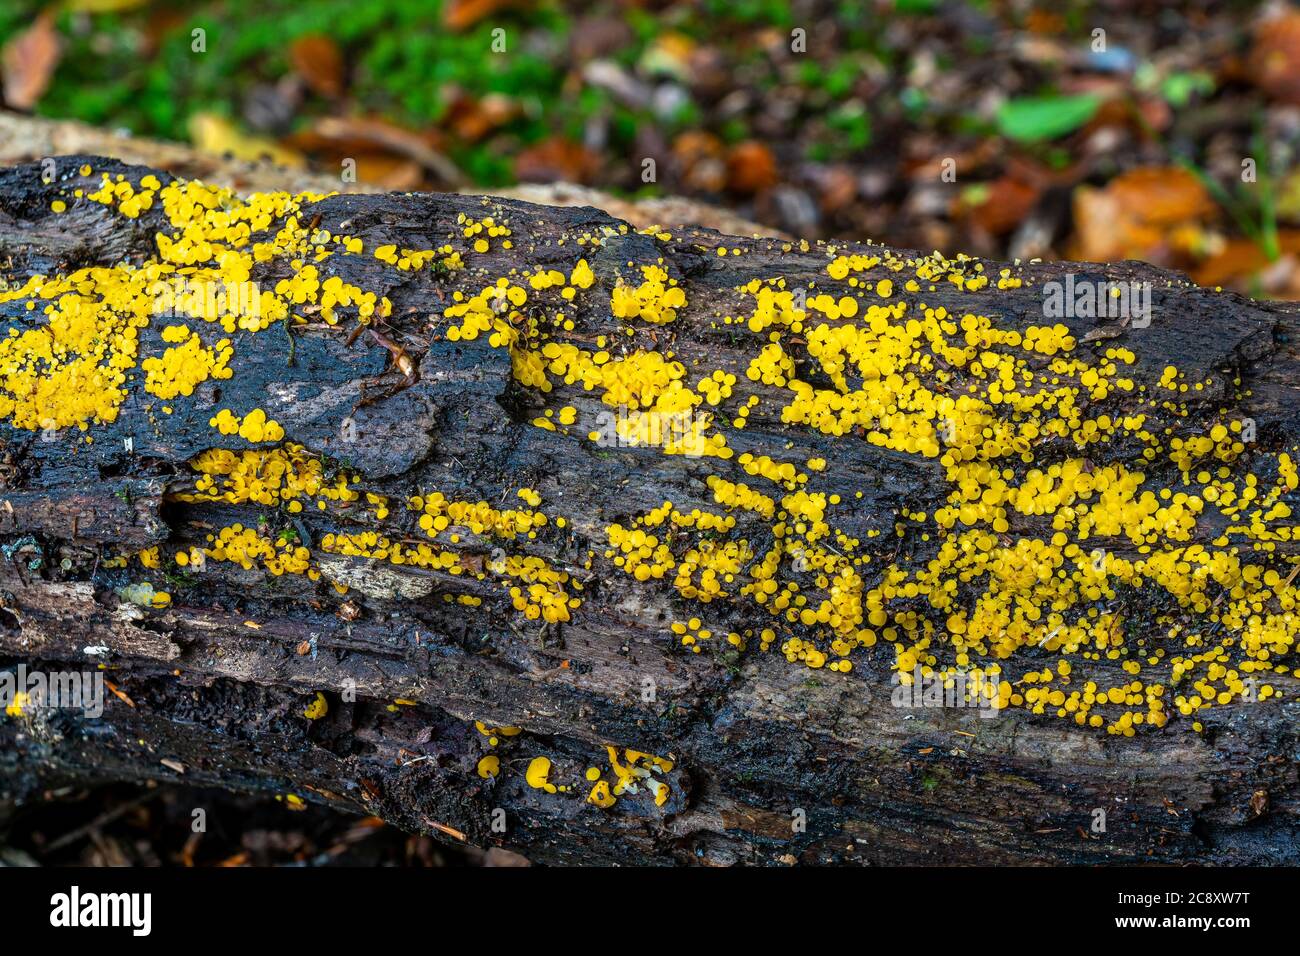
(416, 383)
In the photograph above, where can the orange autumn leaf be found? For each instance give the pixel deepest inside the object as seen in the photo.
(1137, 214)
(1045, 23)
(1162, 195)
(1002, 205)
(751, 168)
(1242, 258)
(459, 14)
(319, 61)
(28, 61)
(1103, 231)
(1274, 61)
(1238, 257)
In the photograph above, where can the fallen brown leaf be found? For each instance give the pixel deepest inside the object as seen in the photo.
(1237, 257)
(700, 157)
(1003, 204)
(319, 61)
(28, 61)
(471, 118)
(1141, 214)
(389, 172)
(837, 187)
(1240, 259)
(459, 14)
(357, 134)
(1161, 195)
(751, 168)
(1274, 61)
(556, 159)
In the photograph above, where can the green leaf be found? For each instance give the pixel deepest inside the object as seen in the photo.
(1032, 119)
(1179, 88)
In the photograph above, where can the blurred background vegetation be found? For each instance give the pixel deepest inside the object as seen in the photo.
(1090, 130)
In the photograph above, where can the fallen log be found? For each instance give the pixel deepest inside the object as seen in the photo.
(522, 527)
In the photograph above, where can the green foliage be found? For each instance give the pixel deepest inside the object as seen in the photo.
(776, 13)
(852, 125)
(1178, 89)
(1037, 118)
(402, 61)
(122, 70)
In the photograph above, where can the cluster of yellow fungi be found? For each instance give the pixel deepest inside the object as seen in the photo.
(630, 772)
